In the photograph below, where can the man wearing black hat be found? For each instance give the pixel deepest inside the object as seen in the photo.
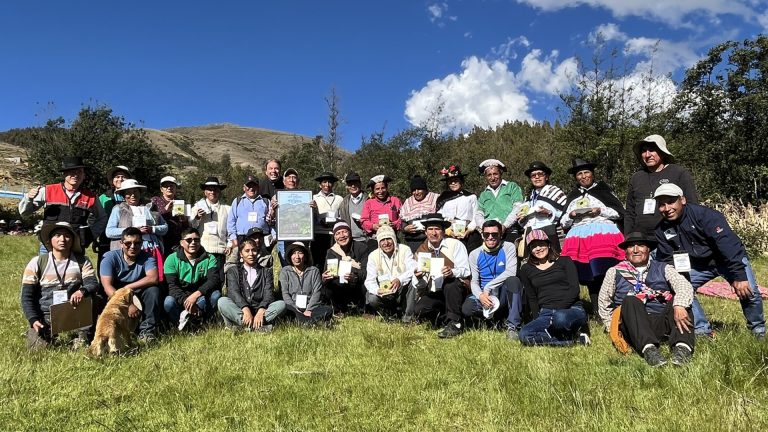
(326, 206)
(211, 221)
(352, 206)
(249, 210)
(654, 300)
(441, 291)
(68, 202)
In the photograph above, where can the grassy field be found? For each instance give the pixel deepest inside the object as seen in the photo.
(368, 375)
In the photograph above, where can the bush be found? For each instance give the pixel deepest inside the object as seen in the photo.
(749, 222)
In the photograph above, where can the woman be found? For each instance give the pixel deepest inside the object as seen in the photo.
(591, 216)
(132, 212)
(552, 290)
(164, 205)
(421, 202)
(380, 209)
(302, 287)
(108, 200)
(250, 302)
(544, 206)
(459, 206)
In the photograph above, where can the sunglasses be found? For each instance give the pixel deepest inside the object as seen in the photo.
(192, 240)
(495, 235)
(132, 244)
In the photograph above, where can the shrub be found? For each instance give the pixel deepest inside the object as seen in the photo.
(749, 222)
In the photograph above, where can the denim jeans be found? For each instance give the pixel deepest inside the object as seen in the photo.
(205, 303)
(752, 307)
(233, 315)
(511, 289)
(558, 327)
(151, 309)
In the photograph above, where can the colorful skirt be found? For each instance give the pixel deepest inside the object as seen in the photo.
(594, 248)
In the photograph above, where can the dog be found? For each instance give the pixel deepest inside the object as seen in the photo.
(114, 328)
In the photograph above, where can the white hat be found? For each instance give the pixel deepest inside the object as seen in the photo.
(484, 165)
(495, 303)
(657, 140)
(668, 189)
(385, 232)
(129, 184)
(169, 179)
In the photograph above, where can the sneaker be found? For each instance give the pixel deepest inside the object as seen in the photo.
(653, 357)
(183, 319)
(584, 339)
(513, 334)
(681, 355)
(760, 336)
(407, 319)
(450, 330)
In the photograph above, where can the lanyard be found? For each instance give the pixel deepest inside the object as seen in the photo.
(384, 259)
(56, 269)
(487, 264)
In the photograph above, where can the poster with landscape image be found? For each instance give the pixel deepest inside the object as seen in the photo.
(294, 215)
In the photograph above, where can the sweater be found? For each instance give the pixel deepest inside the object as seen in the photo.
(556, 287)
(213, 241)
(309, 284)
(489, 272)
(374, 207)
(497, 204)
(347, 209)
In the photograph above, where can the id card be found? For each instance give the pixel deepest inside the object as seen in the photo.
(330, 217)
(212, 228)
(682, 262)
(649, 206)
(253, 217)
(301, 301)
(59, 297)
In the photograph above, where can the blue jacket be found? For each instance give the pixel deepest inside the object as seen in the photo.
(707, 238)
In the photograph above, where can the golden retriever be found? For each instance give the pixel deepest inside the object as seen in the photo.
(114, 327)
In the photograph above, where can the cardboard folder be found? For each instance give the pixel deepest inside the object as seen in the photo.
(66, 317)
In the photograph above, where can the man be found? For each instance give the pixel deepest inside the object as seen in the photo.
(272, 183)
(194, 285)
(211, 221)
(63, 272)
(248, 210)
(441, 291)
(498, 198)
(655, 302)
(348, 293)
(701, 243)
(388, 276)
(68, 202)
(494, 281)
(131, 267)
(352, 206)
(657, 169)
(291, 182)
(326, 208)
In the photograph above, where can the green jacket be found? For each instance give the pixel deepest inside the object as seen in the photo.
(184, 278)
(498, 207)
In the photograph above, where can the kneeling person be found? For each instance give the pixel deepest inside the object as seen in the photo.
(388, 276)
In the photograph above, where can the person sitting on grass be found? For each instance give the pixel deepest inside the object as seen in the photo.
(250, 302)
(651, 300)
(551, 284)
(348, 294)
(136, 269)
(302, 287)
(494, 283)
(388, 276)
(64, 268)
(194, 286)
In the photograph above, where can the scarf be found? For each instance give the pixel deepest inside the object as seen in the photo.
(603, 192)
(344, 257)
(642, 291)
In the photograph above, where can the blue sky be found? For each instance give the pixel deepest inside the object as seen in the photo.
(270, 64)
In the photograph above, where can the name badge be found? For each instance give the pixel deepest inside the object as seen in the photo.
(301, 301)
(649, 206)
(682, 262)
(59, 297)
(253, 217)
(330, 217)
(212, 228)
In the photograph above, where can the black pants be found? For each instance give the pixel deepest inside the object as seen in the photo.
(447, 301)
(341, 296)
(320, 313)
(319, 248)
(641, 328)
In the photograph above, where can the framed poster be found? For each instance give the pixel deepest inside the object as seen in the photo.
(294, 215)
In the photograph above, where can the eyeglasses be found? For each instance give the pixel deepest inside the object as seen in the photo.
(538, 174)
(132, 244)
(167, 185)
(192, 240)
(487, 235)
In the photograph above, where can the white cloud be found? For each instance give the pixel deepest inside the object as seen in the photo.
(542, 75)
(672, 12)
(468, 35)
(506, 50)
(665, 56)
(608, 32)
(438, 13)
(762, 19)
(484, 94)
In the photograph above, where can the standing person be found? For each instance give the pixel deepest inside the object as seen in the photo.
(269, 186)
(650, 300)
(381, 209)
(352, 206)
(68, 202)
(494, 283)
(498, 198)
(326, 206)
(348, 294)
(302, 287)
(544, 206)
(552, 289)
(290, 182)
(458, 206)
(249, 210)
(210, 219)
(420, 203)
(592, 240)
(657, 168)
(163, 203)
(108, 200)
(388, 275)
(699, 241)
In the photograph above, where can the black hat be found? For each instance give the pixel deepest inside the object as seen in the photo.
(47, 230)
(325, 175)
(114, 170)
(250, 179)
(298, 245)
(538, 166)
(580, 165)
(254, 231)
(71, 162)
(636, 237)
(352, 177)
(418, 182)
(452, 172)
(432, 219)
(212, 181)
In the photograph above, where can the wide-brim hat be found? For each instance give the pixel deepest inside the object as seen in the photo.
(379, 179)
(637, 237)
(434, 219)
(538, 166)
(298, 245)
(325, 175)
(113, 171)
(352, 177)
(49, 228)
(169, 179)
(212, 181)
(658, 141)
(450, 174)
(130, 184)
(484, 165)
(580, 165)
(71, 162)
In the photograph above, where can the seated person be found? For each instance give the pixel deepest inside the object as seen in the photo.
(194, 286)
(250, 301)
(494, 284)
(440, 292)
(63, 268)
(551, 284)
(653, 301)
(388, 276)
(350, 293)
(136, 269)
(302, 287)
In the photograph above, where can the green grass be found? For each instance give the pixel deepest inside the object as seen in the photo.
(368, 375)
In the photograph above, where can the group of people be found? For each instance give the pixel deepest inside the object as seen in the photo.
(503, 257)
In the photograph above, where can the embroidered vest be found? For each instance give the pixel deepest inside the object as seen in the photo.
(654, 279)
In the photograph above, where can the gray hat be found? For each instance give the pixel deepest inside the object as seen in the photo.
(47, 230)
